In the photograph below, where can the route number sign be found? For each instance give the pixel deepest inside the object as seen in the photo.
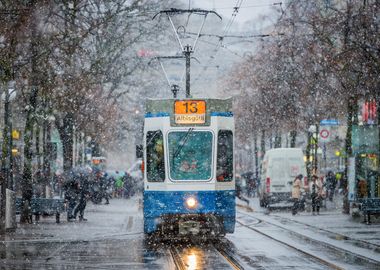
(190, 111)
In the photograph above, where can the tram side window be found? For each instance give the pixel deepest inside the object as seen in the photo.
(224, 165)
(155, 161)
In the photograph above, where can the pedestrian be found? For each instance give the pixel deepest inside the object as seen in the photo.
(82, 196)
(251, 183)
(239, 191)
(252, 186)
(330, 185)
(128, 185)
(119, 185)
(296, 193)
(316, 194)
(71, 188)
(105, 187)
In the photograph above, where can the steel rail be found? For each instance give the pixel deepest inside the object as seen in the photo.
(178, 262)
(322, 243)
(228, 257)
(323, 261)
(222, 251)
(346, 237)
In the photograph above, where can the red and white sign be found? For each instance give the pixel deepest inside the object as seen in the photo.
(324, 134)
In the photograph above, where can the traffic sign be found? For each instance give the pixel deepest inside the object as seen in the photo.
(329, 122)
(324, 134)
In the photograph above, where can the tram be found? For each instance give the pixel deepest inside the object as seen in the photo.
(189, 183)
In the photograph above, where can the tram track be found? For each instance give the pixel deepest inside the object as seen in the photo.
(326, 246)
(357, 242)
(219, 248)
(177, 259)
(308, 254)
(228, 256)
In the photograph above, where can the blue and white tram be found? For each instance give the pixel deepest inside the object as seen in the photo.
(189, 183)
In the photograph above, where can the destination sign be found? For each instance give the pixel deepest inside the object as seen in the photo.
(190, 112)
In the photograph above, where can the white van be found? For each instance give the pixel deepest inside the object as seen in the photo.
(279, 168)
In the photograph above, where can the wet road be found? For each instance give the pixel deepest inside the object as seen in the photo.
(112, 238)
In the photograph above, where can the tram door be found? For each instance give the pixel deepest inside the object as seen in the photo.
(367, 177)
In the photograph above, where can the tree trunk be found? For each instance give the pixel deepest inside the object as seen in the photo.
(277, 140)
(270, 140)
(378, 127)
(27, 181)
(47, 152)
(308, 148)
(67, 138)
(262, 146)
(351, 108)
(293, 137)
(256, 150)
(37, 147)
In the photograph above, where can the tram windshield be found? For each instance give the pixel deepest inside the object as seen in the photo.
(190, 154)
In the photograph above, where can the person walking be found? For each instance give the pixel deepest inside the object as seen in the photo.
(71, 188)
(316, 194)
(296, 193)
(105, 187)
(330, 185)
(119, 185)
(239, 191)
(128, 185)
(82, 197)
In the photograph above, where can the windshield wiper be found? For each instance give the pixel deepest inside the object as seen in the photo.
(182, 143)
(151, 139)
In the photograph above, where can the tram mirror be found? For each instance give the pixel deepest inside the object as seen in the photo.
(139, 151)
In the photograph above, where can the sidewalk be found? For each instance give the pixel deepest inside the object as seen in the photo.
(117, 218)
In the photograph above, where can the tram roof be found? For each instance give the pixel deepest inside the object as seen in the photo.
(166, 105)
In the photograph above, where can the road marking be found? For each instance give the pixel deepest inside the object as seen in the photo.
(130, 223)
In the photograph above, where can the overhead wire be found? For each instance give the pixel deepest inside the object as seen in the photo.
(227, 28)
(253, 6)
(222, 46)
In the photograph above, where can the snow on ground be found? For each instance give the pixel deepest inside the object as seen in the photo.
(103, 221)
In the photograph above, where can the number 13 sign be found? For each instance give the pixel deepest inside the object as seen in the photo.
(190, 111)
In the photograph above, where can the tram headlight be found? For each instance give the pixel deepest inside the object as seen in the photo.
(191, 202)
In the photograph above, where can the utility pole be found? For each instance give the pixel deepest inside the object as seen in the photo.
(187, 50)
(256, 150)
(6, 168)
(3, 177)
(316, 149)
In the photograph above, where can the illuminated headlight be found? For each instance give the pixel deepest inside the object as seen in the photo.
(191, 202)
